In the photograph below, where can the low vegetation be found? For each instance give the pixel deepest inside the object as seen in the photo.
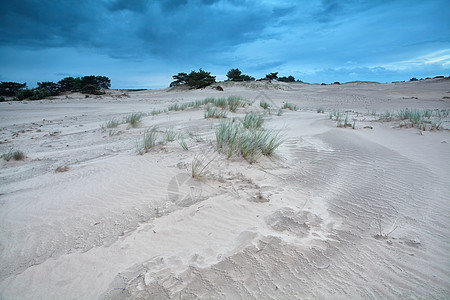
(264, 104)
(134, 119)
(233, 138)
(148, 140)
(200, 166)
(14, 154)
(214, 112)
(289, 106)
(253, 120)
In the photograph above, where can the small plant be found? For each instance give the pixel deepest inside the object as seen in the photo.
(14, 154)
(169, 136)
(252, 143)
(148, 141)
(381, 234)
(134, 119)
(113, 123)
(221, 102)
(182, 143)
(320, 110)
(264, 104)
(253, 120)
(200, 166)
(234, 103)
(289, 106)
(156, 112)
(214, 112)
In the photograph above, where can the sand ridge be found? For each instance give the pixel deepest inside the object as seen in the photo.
(113, 224)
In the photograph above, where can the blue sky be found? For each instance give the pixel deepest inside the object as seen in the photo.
(141, 44)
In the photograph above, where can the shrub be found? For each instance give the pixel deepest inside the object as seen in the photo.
(194, 79)
(290, 78)
(271, 76)
(236, 75)
(90, 89)
(24, 94)
(11, 88)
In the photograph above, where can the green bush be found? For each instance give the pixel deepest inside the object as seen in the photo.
(194, 79)
(24, 94)
(236, 75)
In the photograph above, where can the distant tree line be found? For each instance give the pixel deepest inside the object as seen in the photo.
(86, 84)
(202, 78)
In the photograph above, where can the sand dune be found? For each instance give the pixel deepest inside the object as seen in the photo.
(85, 217)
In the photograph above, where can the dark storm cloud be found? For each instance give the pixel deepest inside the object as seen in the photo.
(170, 29)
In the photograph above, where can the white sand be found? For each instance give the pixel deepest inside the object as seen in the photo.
(300, 224)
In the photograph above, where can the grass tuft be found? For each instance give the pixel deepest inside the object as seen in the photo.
(134, 119)
(264, 104)
(251, 143)
(148, 140)
(214, 112)
(289, 106)
(14, 154)
(253, 120)
(200, 166)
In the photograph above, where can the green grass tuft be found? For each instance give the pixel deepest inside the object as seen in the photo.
(253, 120)
(148, 140)
(289, 106)
(134, 119)
(214, 112)
(14, 154)
(233, 138)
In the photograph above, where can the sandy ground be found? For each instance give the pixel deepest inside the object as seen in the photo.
(300, 224)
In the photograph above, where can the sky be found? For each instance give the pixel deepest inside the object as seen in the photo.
(142, 43)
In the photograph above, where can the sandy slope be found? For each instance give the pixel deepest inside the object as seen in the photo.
(301, 224)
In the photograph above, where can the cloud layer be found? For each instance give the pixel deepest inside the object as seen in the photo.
(312, 40)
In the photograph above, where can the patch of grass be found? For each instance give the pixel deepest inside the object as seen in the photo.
(134, 119)
(221, 102)
(169, 136)
(182, 143)
(156, 112)
(113, 123)
(214, 112)
(14, 154)
(253, 120)
(251, 144)
(200, 166)
(148, 140)
(289, 106)
(174, 107)
(264, 104)
(235, 102)
(320, 110)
